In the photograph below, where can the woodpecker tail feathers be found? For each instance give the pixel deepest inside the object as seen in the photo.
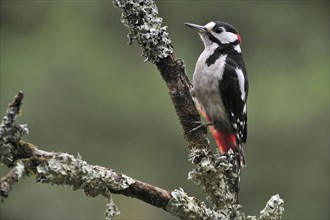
(226, 141)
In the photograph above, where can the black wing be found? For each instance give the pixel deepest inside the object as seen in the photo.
(231, 95)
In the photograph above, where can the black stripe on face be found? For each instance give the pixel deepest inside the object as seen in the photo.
(213, 39)
(211, 59)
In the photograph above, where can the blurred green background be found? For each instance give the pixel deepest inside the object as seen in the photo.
(87, 91)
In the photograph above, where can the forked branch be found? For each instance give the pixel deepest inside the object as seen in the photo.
(212, 172)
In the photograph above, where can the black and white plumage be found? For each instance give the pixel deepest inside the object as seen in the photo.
(220, 85)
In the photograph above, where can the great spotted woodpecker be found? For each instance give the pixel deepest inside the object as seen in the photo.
(220, 86)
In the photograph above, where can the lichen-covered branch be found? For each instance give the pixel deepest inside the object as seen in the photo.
(144, 25)
(213, 172)
(7, 182)
(216, 177)
(140, 17)
(11, 132)
(273, 211)
(65, 169)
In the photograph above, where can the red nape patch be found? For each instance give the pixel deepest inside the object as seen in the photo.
(224, 141)
(239, 38)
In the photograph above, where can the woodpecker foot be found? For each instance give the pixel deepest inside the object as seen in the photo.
(180, 62)
(200, 125)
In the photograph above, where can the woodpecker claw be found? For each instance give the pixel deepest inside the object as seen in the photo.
(199, 126)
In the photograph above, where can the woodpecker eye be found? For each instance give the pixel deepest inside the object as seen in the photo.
(218, 29)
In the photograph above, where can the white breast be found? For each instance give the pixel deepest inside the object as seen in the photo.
(206, 84)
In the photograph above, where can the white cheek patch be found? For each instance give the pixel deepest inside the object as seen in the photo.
(227, 37)
(209, 26)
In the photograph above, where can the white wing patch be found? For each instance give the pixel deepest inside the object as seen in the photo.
(241, 82)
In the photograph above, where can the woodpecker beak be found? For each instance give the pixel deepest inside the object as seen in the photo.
(199, 28)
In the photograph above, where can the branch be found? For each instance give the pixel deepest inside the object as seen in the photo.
(214, 173)
(65, 169)
(9, 180)
(11, 132)
(62, 168)
(273, 211)
(144, 25)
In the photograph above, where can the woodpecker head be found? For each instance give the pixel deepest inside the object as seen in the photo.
(217, 32)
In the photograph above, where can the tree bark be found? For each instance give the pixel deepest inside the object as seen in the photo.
(213, 173)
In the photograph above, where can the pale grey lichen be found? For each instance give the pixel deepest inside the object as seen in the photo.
(111, 208)
(20, 169)
(274, 209)
(186, 207)
(216, 176)
(65, 169)
(6, 155)
(10, 131)
(145, 27)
